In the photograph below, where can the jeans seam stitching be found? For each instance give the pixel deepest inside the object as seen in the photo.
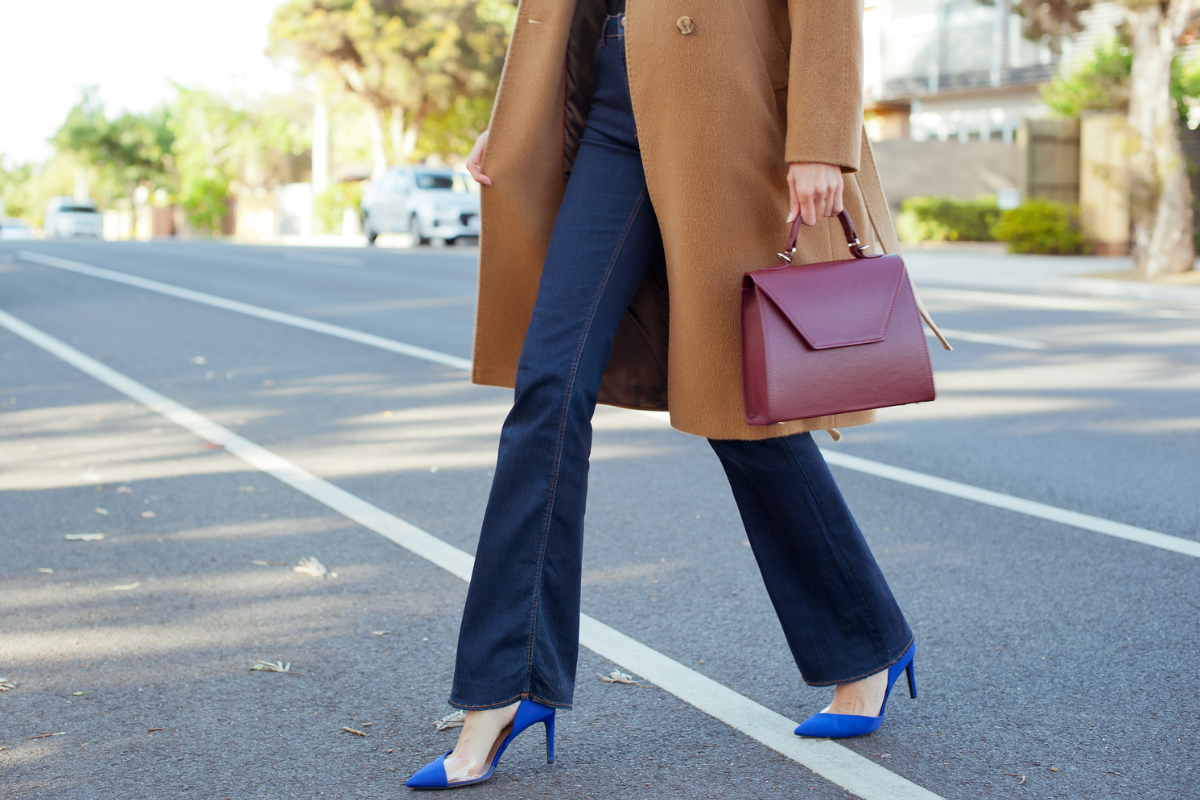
(510, 701)
(825, 523)
(587, 325)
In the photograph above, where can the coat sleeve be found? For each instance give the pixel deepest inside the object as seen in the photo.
(825, 82)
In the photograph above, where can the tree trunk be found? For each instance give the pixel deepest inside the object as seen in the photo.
(1162, 198)
(379, 157)
(396, 134)
(411, 134)
(406, 129)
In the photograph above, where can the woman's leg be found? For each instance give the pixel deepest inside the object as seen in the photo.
(519, 637)
(520, 630)
(838, 614)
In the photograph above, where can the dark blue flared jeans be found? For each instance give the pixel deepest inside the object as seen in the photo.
(520, 630)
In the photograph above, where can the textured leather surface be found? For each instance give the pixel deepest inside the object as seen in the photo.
(837, 303)
(831, 338)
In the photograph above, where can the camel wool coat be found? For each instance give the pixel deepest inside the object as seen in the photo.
(726, 93)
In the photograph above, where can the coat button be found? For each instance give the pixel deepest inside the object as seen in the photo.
(685, 25)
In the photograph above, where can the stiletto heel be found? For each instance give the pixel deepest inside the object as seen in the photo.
(529, 713)
(845, 726)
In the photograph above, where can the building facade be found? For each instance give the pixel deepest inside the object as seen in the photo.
(960, 69)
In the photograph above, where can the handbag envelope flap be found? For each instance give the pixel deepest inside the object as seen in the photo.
(836, 303)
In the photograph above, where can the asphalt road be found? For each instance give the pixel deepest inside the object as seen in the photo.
(1053, 662)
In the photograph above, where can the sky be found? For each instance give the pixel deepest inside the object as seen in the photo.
(131, 49)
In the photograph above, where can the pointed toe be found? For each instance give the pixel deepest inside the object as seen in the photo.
(432, 775)
(837, 726)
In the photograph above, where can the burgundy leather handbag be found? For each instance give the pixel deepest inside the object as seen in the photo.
(831, 338)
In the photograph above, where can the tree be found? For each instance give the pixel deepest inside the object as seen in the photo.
(218, 143)
(126, 152)
(407, 59)
(15, 179)
(1162, 198)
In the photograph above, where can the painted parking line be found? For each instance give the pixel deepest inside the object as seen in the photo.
(854, 773)
(270, 315)
(1008, 502)
(930, 482)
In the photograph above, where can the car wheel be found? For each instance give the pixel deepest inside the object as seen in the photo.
(414, 228)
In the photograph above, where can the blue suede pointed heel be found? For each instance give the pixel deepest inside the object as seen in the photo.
(846, 726)
(433, 774)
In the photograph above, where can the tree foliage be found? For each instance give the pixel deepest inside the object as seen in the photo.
(1101, 83)
(219, 143)
(409, 60)
(125, 152)
(15, 183)
(197, 148)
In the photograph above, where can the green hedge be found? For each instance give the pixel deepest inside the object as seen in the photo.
(329, 205)
(1041, 226)
(943, 219)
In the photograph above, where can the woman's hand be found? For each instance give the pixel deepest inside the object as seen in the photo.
(815, 190)
(476, 157)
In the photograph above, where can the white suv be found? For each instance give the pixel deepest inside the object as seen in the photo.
(427, 202)
(67, 218)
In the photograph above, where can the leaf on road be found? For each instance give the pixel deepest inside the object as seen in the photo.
(84, 537)
(124, 490)
(380, 633)
(125, 588)
(310, 566)
(351, 730)
(214, 446)
(616, 676)
(46, 735)
(278, 666)
(103, 511)
(152, 730)
(260, 563)
(250, 489)
(148, 515)
(6, 685)
(452, 720)
(199, 361)
(45, 570)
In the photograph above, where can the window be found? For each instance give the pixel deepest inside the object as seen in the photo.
(427, 180)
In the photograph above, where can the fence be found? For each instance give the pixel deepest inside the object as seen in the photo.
(1049, 159)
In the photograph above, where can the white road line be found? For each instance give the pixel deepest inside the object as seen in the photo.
(987, 497)
(987, 338)
(1029, 507)
(1006, 501)
(250, 310)
(842, 766)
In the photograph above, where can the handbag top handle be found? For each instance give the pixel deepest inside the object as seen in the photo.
(852, 241)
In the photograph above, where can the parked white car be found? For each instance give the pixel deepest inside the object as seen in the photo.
(67, 218)
(427, 202)
(12, 228)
